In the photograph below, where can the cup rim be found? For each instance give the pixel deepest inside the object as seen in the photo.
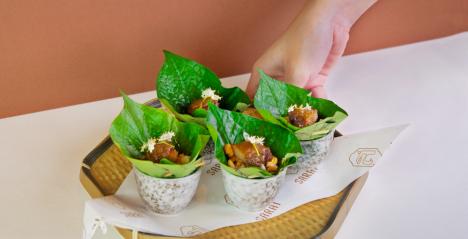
(321, 138)
(281, 173)
(193, 174)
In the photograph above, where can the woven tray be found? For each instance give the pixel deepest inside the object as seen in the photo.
(104, 170)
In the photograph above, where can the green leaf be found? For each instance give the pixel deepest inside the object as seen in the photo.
(274, 97)
(232, 97)
(284, 121)
(200, 113)
(228, 127)
(240, 107)
(321, 128)
(180, 81)
(136, 123)
(249, 172)
(182, 117)
(269, 117)
(166, 170)
(166, 161)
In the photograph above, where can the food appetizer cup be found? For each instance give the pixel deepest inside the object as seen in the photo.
(313, 120)
(167, 195)
(252, 194)
(165, 154)
(185, 87)
(254, 155)
(314, 151)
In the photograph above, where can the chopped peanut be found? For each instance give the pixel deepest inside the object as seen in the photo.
(272, 165)
(228, 150)
(231, 164)
(239, 164)
(183, 159)
(274, 160)
(272, 168)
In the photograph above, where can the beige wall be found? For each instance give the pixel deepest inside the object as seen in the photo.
(55, 53)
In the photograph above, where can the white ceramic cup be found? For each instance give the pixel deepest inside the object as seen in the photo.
(252, 194)
(314, 151)
(208, 152)
(167, 195)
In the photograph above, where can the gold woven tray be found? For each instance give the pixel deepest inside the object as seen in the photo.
(104, 170)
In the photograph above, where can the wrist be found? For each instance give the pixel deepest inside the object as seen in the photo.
(341, 12)
(350, 11)
(320, 10)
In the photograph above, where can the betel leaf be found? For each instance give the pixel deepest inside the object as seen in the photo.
(137, 123)
(274, 97)
(183, 117)
(181, 80)
(228, 127)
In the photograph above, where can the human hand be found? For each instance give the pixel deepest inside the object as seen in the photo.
(306, 52)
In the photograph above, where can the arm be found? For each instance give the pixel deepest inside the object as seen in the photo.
(314, 41)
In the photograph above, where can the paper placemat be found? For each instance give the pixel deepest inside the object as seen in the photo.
(349, 158)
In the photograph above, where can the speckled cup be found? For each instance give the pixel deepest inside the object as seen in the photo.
(314, 151)
(252, 194)
(167, 195)
(208, 152)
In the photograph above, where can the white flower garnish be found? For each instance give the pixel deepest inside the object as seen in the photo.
(210, 93)
(148, 145)
(152, 141)
(253, 139)
(293, 107)
(310, 94)
(306, 107)
(166, 136)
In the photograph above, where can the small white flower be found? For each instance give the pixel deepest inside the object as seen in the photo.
(148, 145)
(310, 94)
(210, 93)
(293, 107)
(254, 139)
(166, 136)
(307, 107)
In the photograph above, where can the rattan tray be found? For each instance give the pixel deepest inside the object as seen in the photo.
(104, 170)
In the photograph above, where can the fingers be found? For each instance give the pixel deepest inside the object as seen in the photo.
(316, 83)
(316, 86)
(253, 83)
(269, 62)
(340, 39)
(319, 92)
(297, 76)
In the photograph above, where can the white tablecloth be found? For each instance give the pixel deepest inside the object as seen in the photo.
(420, 190)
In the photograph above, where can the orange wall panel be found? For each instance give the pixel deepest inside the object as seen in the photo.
(55, 53)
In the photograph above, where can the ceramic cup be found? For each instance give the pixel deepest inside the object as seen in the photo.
(208, 152)
(167, 195)
(252, 194)
(314, 151)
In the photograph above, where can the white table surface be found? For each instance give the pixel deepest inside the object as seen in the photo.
(420, 190)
